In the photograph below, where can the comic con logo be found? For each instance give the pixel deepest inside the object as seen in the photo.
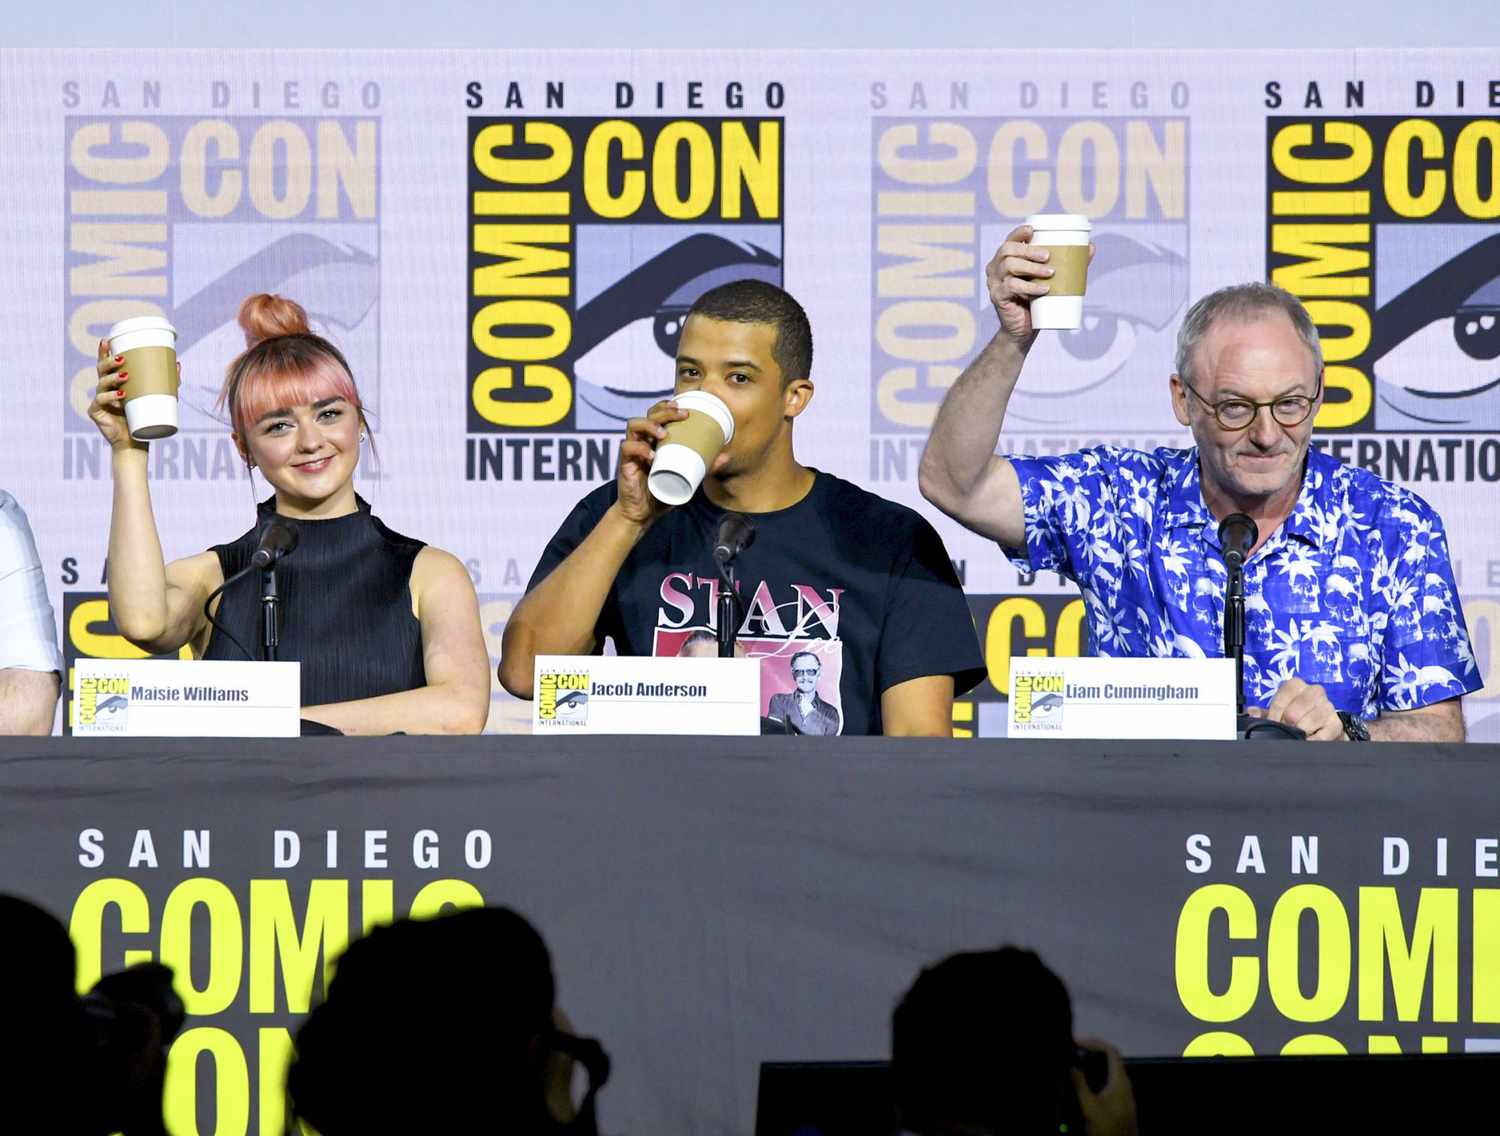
(90, 633)
(945, 193)
(562, 698)
(1388, 229)
(590, 240)
(1039, 701)
(183, 217)
(1017, 626)
(103, 704)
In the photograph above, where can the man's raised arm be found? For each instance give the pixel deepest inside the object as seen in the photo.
(560, 614)
(960, 472)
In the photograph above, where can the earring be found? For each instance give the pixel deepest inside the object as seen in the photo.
(361, 437)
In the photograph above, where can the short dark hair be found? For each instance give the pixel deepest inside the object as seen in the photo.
(810, 654)
(755, 301)
(983, 1038)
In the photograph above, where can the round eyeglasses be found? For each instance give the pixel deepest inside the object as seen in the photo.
(1239, 413)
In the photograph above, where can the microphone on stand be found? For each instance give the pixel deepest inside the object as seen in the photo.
(1237, 536)
(736, 533)
(279, 539)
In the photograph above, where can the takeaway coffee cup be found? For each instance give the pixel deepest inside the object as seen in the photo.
(1066, 237)
(684, 455)
(149, 345)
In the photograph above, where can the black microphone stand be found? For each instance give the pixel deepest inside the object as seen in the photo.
(1252, 729)
(729, 608)
(270, 601)
(1234, 635)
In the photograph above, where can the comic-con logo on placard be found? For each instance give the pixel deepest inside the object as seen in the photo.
(590, 240)
(103, 705)
(89, 632)
(1388, 229)
(1040, 699)
(562, 698)
(1018, 626)
(943, 195)
(184, 216)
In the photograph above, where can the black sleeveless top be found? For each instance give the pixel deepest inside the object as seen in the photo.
(345, 606)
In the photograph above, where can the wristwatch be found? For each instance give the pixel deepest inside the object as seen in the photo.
(1354, 728)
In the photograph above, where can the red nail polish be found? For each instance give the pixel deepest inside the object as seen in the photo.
(119, 358)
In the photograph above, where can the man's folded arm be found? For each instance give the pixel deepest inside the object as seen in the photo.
(1440, 722)
(28, 701)
(560, 612)
(918, 708)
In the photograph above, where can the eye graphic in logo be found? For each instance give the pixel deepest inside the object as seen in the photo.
(574, 704)
(109, 709)
(337, 284)
(1135, 291)
(1436, 346)
(626, 335)
(1047, 709)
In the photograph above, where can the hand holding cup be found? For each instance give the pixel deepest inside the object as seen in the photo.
(644, 437)
(107, 411)
(147, 346)
(1024, 271)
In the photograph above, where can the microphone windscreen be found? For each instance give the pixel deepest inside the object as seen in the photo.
(1237, 536)
(736, 533)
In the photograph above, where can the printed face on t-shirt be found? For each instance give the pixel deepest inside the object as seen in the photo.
(735, 361)
(805, 671)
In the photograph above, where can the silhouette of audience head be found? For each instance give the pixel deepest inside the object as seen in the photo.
(430, 1023)
(86, 1065)
(982, 1043)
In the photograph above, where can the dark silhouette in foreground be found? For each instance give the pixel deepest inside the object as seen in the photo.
(444, 1024)
(982, 1044)
(85, 1065)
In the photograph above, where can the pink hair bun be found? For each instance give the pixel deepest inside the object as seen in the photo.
(264, 316)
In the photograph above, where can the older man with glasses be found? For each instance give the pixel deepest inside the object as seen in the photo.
(803, 708)
(1354, 628)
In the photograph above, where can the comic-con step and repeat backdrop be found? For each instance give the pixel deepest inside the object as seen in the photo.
(505, 245)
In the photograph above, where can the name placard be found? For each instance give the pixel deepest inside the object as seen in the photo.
(614, 694)
(1122, 698)
(174, 698)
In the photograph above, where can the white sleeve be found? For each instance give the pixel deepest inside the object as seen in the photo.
(28, 629)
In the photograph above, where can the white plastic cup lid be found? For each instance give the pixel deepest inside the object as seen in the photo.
(142, 323)
(1064, 221)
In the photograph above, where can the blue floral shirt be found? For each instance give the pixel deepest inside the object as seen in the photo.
(1353, 592)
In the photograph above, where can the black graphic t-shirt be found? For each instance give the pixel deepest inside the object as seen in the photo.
(846, 595)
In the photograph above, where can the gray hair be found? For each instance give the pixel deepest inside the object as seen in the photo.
(1242, 301)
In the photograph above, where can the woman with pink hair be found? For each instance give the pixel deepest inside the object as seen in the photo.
(386, 628)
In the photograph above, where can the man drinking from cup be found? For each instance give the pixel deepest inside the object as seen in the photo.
(861, 584)
(1354, 629)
